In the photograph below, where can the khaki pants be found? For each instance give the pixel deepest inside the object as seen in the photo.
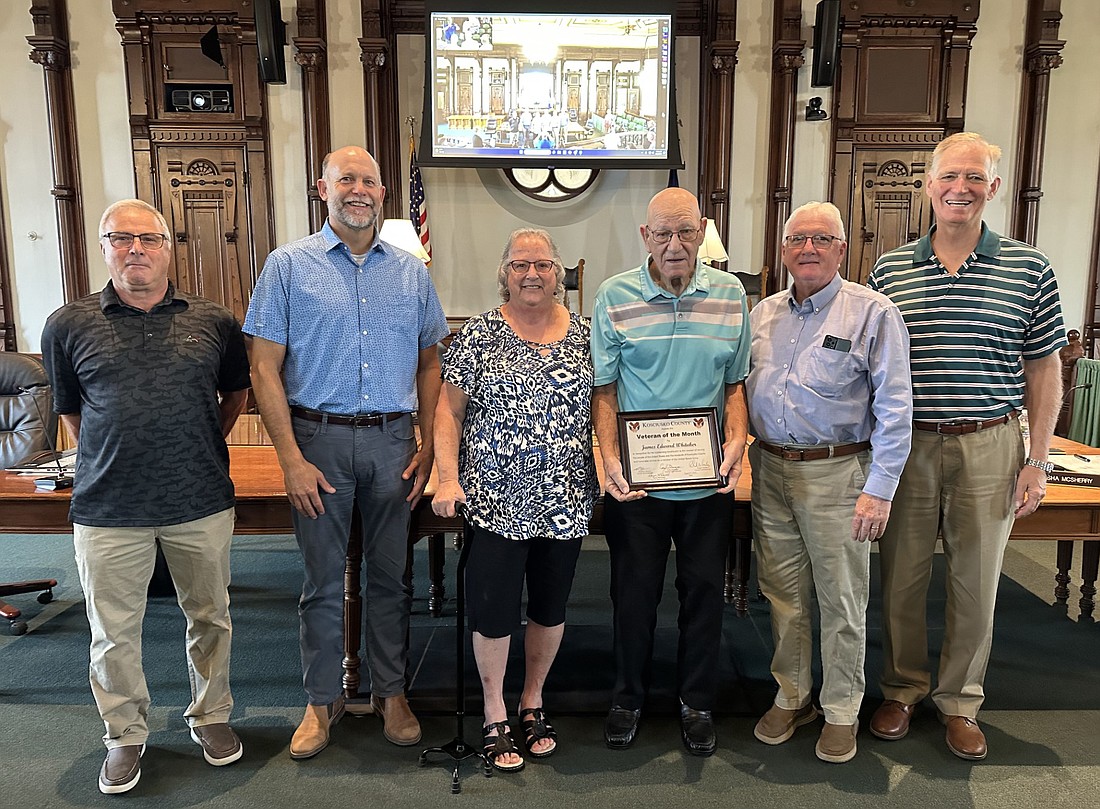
(802, 526)
(960, 487)
(115, 565)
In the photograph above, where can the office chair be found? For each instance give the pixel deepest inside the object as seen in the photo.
(574, 280)
(23, 385)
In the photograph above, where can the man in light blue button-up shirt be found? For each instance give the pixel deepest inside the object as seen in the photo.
(830, 405)
(343, 333)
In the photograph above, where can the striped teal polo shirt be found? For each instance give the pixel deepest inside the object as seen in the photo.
(671, 352)
(970, 332)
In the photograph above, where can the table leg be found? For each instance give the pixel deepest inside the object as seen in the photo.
(436, 590)
(1090, 561)
(1061, 578)
(353, 608)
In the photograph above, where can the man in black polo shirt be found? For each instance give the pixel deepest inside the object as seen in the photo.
(137, 370)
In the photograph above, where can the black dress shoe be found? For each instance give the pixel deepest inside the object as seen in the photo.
(621, 727)
(697, 731)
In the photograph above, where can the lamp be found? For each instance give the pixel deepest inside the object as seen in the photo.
(712, 249)
(400, 233)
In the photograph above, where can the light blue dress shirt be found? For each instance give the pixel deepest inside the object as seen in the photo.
(834, 370)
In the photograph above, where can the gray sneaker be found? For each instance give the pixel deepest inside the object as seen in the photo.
(121, 769)
(220, 745)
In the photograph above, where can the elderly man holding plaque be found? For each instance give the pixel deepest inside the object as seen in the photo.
(830, 404)
(669, 336)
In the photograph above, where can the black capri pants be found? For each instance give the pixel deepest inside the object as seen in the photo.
(495, 572)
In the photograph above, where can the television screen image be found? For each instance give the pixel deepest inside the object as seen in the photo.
(535, 89)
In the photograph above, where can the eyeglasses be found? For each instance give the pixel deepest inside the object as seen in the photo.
(540, 266)
(150, 241)
(686, 235)
(821, 241)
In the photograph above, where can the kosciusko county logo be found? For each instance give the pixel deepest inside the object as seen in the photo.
(633, 426)
(698, 422)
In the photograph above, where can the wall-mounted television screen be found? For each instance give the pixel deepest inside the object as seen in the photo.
(556, 84)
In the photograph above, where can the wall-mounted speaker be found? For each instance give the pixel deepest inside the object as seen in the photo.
(826, 43)
(271, 41)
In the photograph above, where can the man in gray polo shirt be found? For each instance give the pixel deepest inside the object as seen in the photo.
(137, 371)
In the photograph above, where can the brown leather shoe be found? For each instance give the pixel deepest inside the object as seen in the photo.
(311, 737)
(398, 723)
(121, 769)
(964, 738)
(837, 743)
(891, 720)
(779, 724)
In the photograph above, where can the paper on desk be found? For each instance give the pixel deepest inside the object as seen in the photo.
(1071, 463)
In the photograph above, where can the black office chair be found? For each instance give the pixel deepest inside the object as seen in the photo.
(27, 425)
(574, 280)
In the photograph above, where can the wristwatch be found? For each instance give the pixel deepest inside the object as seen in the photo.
(1046, 466)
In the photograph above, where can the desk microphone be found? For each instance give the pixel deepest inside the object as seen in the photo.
(61, 481)
(1085, 386)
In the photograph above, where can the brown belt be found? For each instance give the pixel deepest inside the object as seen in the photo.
(962, 427)
(360, 420)
(788, 453)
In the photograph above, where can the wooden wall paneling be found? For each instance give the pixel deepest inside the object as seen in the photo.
(50, 49)
(1092, 309)
(311, 54)
(1042, 54)
(787, 49)
(378, 47)
(7, 313)
(717, 63)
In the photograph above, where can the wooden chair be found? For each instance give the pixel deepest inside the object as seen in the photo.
(574, 280)
(26, 422)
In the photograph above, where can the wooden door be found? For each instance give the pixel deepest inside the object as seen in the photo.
(205, 199)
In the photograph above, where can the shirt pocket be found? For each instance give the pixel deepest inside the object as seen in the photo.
(829, 373)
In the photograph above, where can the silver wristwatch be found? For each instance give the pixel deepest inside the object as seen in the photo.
(1046, 466)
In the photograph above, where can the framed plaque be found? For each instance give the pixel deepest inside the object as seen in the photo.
(671, 449)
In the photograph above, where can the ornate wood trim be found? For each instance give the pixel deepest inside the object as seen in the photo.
(311, 54)
(718, 60)
(7, 315)
(50, 49)
(1042, 54)
(378, 47)
(787, 59)
(1092, 291)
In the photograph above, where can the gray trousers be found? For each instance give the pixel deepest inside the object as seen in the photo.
(364, 465)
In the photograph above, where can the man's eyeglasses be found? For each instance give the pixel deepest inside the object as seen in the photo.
(821, 241)
(540, 266)
(150, 241)
(686, 235)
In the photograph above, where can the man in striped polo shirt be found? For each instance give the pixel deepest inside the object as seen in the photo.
(672, 333)
(985, 326)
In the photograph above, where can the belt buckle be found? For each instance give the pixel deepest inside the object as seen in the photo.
(790, 453)
(949, 424)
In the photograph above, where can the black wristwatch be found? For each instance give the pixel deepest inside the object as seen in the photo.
(1046, 466)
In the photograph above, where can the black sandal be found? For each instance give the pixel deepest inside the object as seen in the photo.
(498, 741)
(536, 728)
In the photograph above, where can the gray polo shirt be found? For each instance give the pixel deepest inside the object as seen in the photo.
(145, 387)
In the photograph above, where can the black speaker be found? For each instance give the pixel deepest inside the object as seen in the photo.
(270, 41)
(826, 43)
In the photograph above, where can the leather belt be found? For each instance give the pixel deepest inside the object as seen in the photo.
(359, 420)
(962, 427)
(789, 453)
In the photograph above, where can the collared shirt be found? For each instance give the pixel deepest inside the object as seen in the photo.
(145, 386)
(665, 351)
(970, 331)
(352, 333)
(833, 370)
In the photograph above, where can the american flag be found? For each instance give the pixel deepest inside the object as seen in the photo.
(418, 205)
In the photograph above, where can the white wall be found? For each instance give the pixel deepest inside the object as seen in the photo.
(471, 212)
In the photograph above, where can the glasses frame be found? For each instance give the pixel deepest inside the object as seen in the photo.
(665, 236)
(526, 265)
(129, 238)
(820, 241)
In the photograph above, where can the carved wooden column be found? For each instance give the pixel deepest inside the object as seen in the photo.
(7, 316)
(50, 48)
(787, 48)
(379, 48)
(311, 53)
(1042, 54)
(719, 58)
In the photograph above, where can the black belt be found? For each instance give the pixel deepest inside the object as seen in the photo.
(789, 453)
(359, 420)
(962, 427)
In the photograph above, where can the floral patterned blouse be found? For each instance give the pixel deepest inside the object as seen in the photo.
(525, 460)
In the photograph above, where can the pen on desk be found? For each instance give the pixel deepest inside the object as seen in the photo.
(1084, 458)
